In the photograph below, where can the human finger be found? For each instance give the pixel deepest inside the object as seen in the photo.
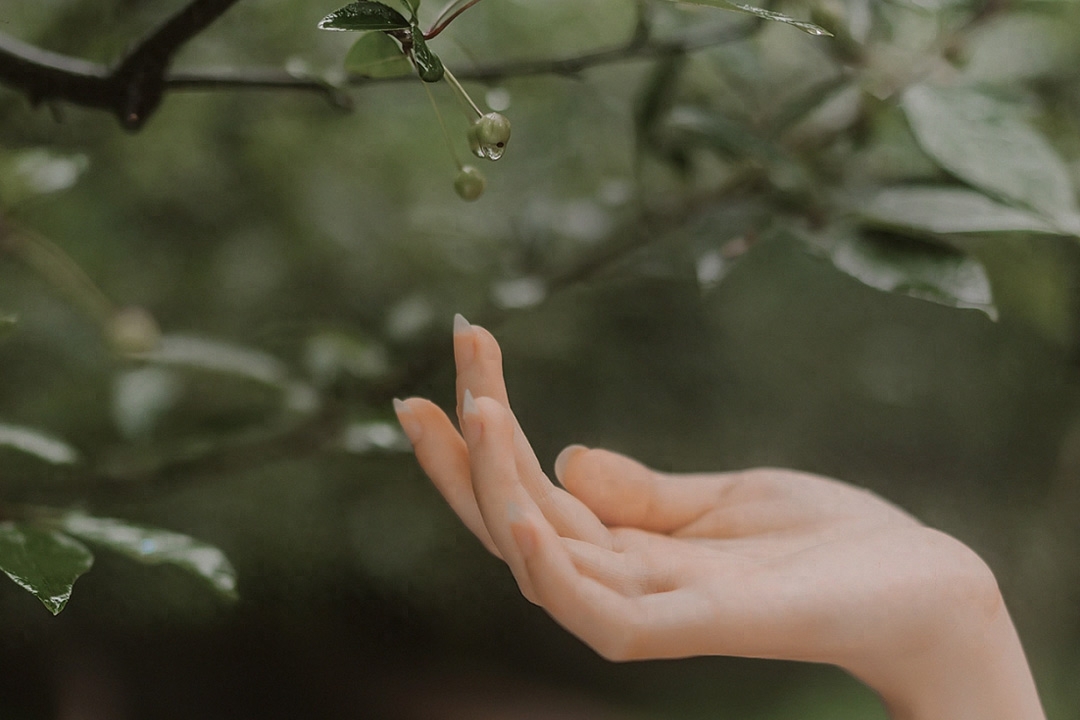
(630, 572)
(478, 358)
(444, 457)
(488, 431)
(479, 363)
(610, 622)
(624, 493)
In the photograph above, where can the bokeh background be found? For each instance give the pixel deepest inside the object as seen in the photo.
(658, 289)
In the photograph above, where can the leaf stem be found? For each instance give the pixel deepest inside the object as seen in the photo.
(442, 124)
(461, 92)
(447, 16)
(58, 269)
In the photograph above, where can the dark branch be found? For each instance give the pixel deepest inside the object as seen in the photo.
(639, 47)
(132, 89)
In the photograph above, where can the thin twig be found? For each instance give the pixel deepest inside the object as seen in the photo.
(444, 20)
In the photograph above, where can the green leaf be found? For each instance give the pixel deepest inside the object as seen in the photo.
(364, 15)
(428, 64)
(984, 142)
(45, 562)
(38, 444)
(917, 269)
(806, 27)
(214, 356)
(376, 55)
(943, 211)
(185, 351)
(154, 546)
(37, 171)
(412, 5)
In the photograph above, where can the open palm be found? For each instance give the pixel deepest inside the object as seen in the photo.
(759, 563)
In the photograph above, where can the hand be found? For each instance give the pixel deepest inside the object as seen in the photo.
(761, 563)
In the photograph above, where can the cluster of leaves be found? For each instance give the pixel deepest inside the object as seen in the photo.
(904, 163)
(395, 44)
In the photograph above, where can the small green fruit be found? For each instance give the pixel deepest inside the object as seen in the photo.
(469, 183)
(488, 135)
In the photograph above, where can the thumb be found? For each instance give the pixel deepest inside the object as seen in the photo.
(624, 493)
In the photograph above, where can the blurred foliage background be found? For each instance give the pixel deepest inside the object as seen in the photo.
(734, 244)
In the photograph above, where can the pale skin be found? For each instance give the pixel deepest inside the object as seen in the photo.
(764, 563)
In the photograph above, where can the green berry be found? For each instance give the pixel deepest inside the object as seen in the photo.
(490, 133)
(469, 183)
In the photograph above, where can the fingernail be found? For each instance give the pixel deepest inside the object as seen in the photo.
(564, 457)
(464, 342)
(461, 325)
(471, 425)
(468, 405)
(410, 424)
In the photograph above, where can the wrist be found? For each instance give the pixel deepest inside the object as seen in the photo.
(964, 663)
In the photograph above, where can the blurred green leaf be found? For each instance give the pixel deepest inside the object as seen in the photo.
(141, 397)
(984, 142)
(154, 546)
(215, 356)
(38, 444)
(44, 562)
(364, 16)
(330, 355)
(806, 27)
(377, 55)
(944, 210)
(412, 5)
(690, 126)
(38, 171)
(917, 269)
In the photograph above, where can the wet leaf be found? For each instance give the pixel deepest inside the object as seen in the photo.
(44, 562)
(428, 64)
(364, 16)
(918, 269)
(807, 27)
(154, 546)
(376, 55)
(986, 143)
(36, 443)
(944, 211)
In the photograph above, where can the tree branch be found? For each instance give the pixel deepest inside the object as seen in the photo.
(132, 89)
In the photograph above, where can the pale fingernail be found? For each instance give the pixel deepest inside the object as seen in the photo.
(461, 325)
(410, 424)
(468, 405)
(472, 426)
(464, 343)
(564, 457)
